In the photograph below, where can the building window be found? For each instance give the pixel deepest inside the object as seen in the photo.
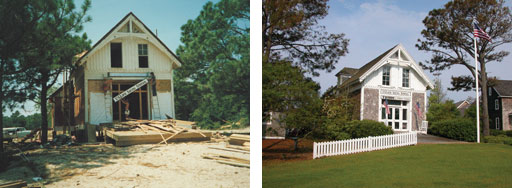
(116, 55)
(143, 56)
(385, 76)
(497, 123)
(496, 104)
(490, 91)
(405, 78)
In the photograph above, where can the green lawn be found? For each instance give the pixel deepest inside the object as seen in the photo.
(432, 165)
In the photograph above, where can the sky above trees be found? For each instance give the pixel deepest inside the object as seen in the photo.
(375, 26)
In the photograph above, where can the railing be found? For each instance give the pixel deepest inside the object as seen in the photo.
(343, 147)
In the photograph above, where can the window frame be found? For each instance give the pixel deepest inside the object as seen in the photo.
(496, 104)
(120, 55)
(497, 123)
(406, 76)
(386, 69)
(140, 53)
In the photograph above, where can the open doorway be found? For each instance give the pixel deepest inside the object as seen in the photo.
(137, 102)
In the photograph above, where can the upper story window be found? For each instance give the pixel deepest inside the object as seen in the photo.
(496, 104)
(116, 55)
(405, 77)
(143, 56)
(385, 75)
(490, 91)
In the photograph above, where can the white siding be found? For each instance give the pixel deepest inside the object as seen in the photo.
(375, 78)
(99, 62)
(166, 105)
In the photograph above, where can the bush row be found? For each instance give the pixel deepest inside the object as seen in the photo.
(495, 132)
(342, 130)
(500, 139)
(459, 129)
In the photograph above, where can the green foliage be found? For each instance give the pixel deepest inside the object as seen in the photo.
(212, 86)
(291, 32)
(500, 139)
(458, 128)
(365, 128)
(442, 111)
(17, 120)
(287, 90)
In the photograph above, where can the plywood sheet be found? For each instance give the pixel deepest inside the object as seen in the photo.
(95, 86)
(163, 85)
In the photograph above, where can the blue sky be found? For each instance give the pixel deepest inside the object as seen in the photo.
(375, 26)
(165, 16)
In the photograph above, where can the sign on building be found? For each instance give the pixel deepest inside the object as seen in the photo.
(130, 90)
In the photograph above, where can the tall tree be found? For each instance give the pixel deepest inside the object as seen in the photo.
(448, 35)
(54, 45)
(437, 95)
(296, 97)
(291, 32)
(18, 21)
(212, 86)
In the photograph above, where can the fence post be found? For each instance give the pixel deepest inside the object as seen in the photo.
(314, 150)
(370, 143)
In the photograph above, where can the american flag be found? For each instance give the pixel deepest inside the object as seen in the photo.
(480, 33)
(385, 104)
(418, 109)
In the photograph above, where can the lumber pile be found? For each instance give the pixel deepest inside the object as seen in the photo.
(143, 132)
(226, 159)
(240, 139)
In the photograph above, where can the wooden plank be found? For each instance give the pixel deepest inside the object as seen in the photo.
(235, 164)
(239, 147)
(14, 184)
(171, 136)
(229, 149)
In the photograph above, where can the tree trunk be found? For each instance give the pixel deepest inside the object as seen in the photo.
(485, 106)
(44, 114)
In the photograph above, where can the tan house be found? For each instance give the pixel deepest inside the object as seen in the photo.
(129, 54)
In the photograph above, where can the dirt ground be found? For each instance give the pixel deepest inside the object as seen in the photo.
(173, 165)
(275, 151)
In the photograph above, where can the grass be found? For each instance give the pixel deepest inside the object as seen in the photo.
(430, 165)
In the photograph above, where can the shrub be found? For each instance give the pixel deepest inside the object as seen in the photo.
(365, 128)
(334, 129)
(501, 139)
(494, 132)
(508, 133)
(459, 129)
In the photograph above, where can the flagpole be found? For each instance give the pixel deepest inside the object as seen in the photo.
(477, 98)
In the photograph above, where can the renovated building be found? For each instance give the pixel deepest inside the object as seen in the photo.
(500, 105)
(390, 88)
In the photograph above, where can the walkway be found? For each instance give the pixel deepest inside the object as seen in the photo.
(431, 139)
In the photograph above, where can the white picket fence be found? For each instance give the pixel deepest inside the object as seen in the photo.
(342, 147)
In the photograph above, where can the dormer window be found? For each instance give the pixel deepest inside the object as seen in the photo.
(386, 75)
(143, 55)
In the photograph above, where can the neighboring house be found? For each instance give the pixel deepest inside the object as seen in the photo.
(500, 105)
(393, 78)
(463, 105)
(273, 128)
(128, 54)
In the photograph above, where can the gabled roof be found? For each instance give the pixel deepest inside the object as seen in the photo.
(347, 71)
(374, 64)
(100, 42)
(504, 88)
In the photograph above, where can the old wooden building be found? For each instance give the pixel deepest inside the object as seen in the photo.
(129, 54)
(391, 89)
(500, 105)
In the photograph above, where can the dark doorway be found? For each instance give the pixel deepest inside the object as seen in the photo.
(137, 100)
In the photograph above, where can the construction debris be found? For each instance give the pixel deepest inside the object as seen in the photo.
(152, 132)
(14, 184)
(226, 159)
(239, 139)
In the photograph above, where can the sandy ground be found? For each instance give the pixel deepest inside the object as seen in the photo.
(174, 165)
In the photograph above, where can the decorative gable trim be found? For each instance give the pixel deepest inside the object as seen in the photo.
(411, 63)
(146, 34)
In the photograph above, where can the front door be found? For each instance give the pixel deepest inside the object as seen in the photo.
(397, 116)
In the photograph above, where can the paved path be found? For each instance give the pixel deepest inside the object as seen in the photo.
(431, 139)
